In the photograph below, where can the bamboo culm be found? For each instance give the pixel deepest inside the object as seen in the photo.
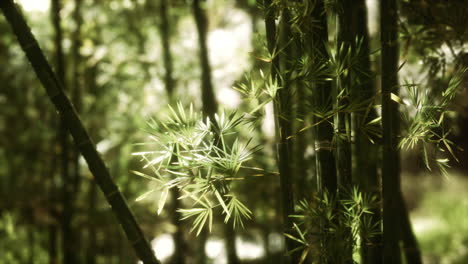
(282, 129)
(82, 140)
(391, 164)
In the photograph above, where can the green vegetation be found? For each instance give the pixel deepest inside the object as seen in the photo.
(250, 131)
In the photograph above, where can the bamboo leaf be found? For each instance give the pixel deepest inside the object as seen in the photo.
(144, 195)
(162, 200)
(221, 202)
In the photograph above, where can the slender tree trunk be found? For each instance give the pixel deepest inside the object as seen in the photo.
(66, 110)
(365, 151)
(164, 28)
(231, 249)
(282, 125)
(66, 217)
(345, 38)
(210, 106)
(91, 252)
(169, 83)
(326, 168)
(50, 174)
(209, 103)
(410, 243)
(77, 91)
(53, 256)
(75, 179)
(200, 255)
(391, 164)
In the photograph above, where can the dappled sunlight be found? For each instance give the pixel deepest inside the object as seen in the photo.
(215, 249)
(35, 5)
(163, 245)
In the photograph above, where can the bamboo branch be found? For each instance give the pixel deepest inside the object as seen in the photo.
(66, 110)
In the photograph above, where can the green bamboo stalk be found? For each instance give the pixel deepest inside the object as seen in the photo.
(365, 152)
(326, 167)
(345, 37)
(283, 129)
(390, 124)
(65, 109)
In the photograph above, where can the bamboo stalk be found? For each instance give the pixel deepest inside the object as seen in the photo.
(68, 238)
(326, 167)
(345, 37)
(178, 257)
(65, 109)
(365, 152)
(210, 106)
(390, 166)
(283, 128)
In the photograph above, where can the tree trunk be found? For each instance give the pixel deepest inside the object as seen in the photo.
(69, 255)
(326, 168)
(167, 55)
(390, 125)
(345, 38)
(410, 243)
(231, 248)
(178, 236)
(210, 106)
(97, 167)
(91, 251)
(282, 125)
(365, 151)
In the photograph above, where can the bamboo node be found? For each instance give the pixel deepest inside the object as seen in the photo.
(112, 193)
(323, 145)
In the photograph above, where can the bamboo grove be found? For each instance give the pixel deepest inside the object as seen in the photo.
(330, 175)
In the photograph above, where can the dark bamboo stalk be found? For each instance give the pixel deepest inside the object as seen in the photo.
(164, 28)
(231, 248)
(210, 106)
(66, 216)
(365, 151)
(91, 250)
(52, 228)
(390, 166)
(345, 37)
(75, 179)
(326, 167)
(345, 86)
(77, 74)
(283, 128)
(411, 249)
(209, 103)
(65, 109)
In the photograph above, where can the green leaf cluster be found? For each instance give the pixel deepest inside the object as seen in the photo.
(200, 157)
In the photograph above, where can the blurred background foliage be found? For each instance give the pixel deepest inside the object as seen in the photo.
(120, 74)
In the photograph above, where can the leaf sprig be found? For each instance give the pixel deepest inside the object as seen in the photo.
(201, 158)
